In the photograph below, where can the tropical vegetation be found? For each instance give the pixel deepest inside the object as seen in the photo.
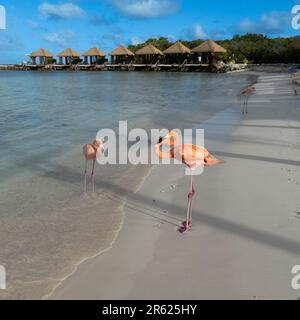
(249, 48)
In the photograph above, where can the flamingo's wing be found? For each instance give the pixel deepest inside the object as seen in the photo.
(193, 155)
(89, 152)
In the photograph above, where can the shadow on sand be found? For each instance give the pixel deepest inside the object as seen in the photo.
(143, 203)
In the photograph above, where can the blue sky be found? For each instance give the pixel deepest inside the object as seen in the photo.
(81, 24)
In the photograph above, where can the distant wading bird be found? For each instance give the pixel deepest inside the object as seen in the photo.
(246, 93)
(90, 152)
(193, 156)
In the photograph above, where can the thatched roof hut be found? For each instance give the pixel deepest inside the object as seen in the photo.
(209, 47)
(148, 54)
(69, 55)
(177, 53)
(121, 55)
(95, 55)
(121, 51)
(150, 49)
(42, 54)
(94, 52)
(177, 48)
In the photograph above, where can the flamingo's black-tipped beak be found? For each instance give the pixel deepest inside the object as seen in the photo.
(160, 140)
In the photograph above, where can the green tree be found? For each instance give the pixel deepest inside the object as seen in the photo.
(252, 48)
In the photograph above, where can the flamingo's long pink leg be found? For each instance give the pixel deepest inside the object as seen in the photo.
(192, 194)
(85, 174)
(247, 98)
(245, 101)
(188, 223)
(93, 175)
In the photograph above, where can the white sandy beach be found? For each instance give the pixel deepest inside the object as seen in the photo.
(245, 237)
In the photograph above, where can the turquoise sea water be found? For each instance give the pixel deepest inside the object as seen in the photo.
(46, 226)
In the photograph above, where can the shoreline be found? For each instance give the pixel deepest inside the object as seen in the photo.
(128, 210)
(76, 266)
(226, 68)
(125, 213)
(67, 227)
(138, 260)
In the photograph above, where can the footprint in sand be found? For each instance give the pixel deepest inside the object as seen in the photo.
(291, 170)
(294, 181)
(158, 225)
(169, 188)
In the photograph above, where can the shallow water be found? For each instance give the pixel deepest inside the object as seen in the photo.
(46, 226)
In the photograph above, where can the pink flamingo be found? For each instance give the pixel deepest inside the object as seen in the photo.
(193, 156)
(246, 93)
(90, 152)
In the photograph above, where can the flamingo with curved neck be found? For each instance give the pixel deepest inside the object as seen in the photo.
(193, 156)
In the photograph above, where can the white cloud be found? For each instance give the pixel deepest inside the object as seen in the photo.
(218, 34)
(273, 22)
(60, 39)
(195, 32)
(135, 41)
(60, 11)
(146, 9)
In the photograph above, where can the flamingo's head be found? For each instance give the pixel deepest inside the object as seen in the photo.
(170, 139)
(98, 144)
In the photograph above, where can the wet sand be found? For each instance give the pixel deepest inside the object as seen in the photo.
(47, 227)
(245, 237)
